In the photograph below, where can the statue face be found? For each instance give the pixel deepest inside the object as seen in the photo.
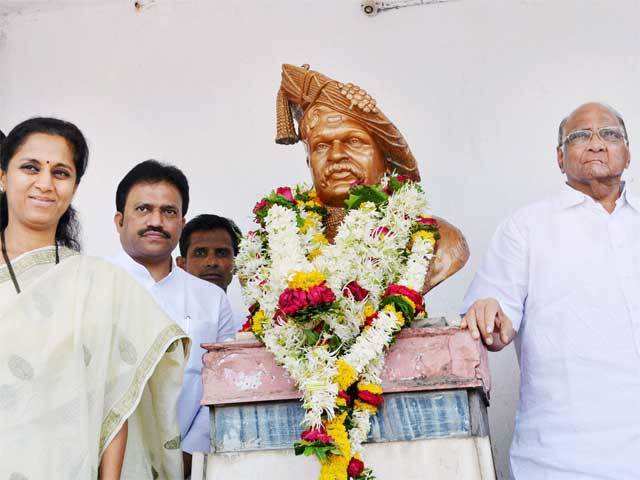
(340, 152)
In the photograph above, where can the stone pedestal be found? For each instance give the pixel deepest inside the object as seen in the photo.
(433, 423)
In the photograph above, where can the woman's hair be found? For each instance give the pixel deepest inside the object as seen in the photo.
(68, 230)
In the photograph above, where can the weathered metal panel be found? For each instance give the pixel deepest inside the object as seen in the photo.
(404, 417)
(421, 359)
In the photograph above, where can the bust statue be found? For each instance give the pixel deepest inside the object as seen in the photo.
(348, 139)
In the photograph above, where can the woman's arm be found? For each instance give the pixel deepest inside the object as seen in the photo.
(113, 457)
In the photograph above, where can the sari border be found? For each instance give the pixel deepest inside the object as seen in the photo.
(126, 405)
(32, 259)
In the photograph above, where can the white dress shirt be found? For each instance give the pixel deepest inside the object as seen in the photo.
(204, 313)
(567, 273)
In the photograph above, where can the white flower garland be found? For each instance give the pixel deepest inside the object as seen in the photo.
(375, 246)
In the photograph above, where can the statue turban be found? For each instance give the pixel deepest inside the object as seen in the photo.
(303, 89)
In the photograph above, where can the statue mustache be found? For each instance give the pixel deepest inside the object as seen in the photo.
(343, 167)
(159, 230)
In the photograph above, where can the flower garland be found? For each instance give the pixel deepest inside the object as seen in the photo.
(329, 311)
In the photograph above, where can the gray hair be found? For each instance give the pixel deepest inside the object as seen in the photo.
(608, 107)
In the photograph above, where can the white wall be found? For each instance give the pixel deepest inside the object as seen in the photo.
(477, 87)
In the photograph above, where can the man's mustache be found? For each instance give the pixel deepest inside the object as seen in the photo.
(159, 230)
(341, 167)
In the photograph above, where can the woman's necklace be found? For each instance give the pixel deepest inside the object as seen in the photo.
(12, 274)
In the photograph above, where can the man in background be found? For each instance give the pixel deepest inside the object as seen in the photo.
(151, 202)
(208, 247)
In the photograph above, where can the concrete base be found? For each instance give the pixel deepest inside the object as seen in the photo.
(443, 459)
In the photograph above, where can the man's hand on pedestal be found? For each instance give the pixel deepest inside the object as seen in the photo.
(485, 319)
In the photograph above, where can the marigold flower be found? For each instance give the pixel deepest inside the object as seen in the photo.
(306, 280)
(258, 321)
(346, 375)
(425, 235)
(370, 387)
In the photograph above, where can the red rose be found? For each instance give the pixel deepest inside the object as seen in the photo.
(357, 292)
(370, 398)
(415, 297)
(355, 468)
(403, 178)
(432, 222)
(286, 193)
(316, 435)
(291, 301)
(260, 205)
(246, 326)
(315, 295)
(327, 295)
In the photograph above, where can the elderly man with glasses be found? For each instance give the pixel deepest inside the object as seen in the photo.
(562, 279)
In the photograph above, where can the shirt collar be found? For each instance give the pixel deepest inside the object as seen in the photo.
(140, 272)
(570, 197)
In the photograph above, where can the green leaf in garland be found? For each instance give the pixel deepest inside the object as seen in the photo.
(401, 305)
(366, 193)
(311, 337)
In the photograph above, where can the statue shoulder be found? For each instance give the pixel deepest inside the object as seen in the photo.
(452, 253)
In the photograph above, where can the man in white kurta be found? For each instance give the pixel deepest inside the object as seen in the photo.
(562, 276)
(204, 313)
(151, 202)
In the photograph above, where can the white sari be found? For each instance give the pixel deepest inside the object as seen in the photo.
(85, 348)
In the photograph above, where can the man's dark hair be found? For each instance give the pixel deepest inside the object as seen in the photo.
(68, 230)
(152, 171)
(206, 223)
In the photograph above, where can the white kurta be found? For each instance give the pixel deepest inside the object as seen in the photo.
(204, 313)
(567, 273)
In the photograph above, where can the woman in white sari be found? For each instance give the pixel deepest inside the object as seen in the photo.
(90, 367)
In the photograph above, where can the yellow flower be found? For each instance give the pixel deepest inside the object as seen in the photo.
(425, 235)
(258, 321)
(370, 387)
(346, 375)
(341, 402)
(316, 252)
(392, 309)
(335, 468)
(312, 220)
(319, 239)
(360, 405)
(369, 310)
(306, 280)
(313, 194)
(313, 203)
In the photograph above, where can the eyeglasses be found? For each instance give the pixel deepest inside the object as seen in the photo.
(610, 135)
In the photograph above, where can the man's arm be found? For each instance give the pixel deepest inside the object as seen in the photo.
(494, 303)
